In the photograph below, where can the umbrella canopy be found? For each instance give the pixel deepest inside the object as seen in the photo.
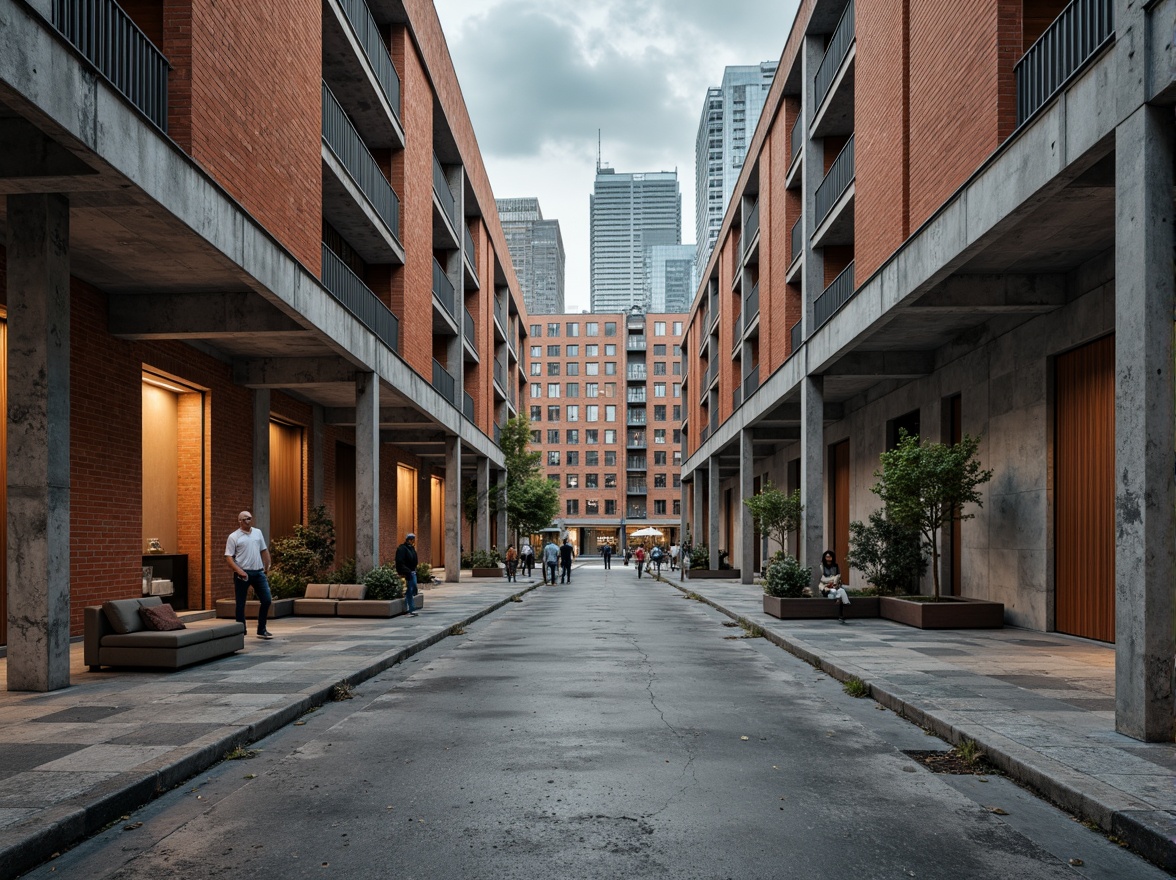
(556, 529)
(647, 533)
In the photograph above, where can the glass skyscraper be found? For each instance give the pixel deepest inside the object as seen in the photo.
(537, 253)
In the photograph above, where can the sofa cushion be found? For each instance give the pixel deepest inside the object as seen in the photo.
(123, 614)
(315, 607)
(197, 633)
(318, 591)
(160, 618)
(348, 591)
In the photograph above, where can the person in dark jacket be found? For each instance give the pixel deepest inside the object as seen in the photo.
(406, 567)
(606, 555)
(565, 562)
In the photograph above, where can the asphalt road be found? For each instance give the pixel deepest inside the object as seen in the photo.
(609, 729)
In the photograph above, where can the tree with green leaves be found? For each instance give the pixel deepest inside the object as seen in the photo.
(532, 501)
(776, 513)
(890, 555)
(532, 505)
(926, 487)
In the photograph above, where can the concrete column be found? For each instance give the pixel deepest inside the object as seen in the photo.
(367, 472)
(697, 488)
(261, 461)
(714, 511)
(453, 514)
(504, 540)
(38, 442)
(482, 533)
(746, 490)
(318, 440)
(812, 464)
(1145, 559)
(813, 281)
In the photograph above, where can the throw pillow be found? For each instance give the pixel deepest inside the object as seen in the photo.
(160, 618)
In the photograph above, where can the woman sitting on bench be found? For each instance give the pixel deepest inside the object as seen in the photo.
(831, 587)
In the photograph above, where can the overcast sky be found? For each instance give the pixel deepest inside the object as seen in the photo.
(541, 76)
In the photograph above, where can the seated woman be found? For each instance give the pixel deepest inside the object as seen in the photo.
(831, 587)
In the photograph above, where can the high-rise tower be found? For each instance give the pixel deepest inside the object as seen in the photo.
(537, 253)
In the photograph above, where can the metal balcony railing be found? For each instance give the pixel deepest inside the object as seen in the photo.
(714, 420)
(635, 343)
(797, 335)
(636, 395)
(497, 434)
(636, 463)
(500, 374)
(797, 238)
(712, 373)
(636, 373)
(737, 396)
(737, 333)
(500, 314)
(444, 382)
(468, 407)
(635, 487)
(470, 334)
(751, 382)
(443, 289)
(751, 304)
(634, 443)
(368, 34)
(1075, 36)
(834, 297)
(468, 240)
(444, 193)
(704, 434)
(637, 417)
(349, 289)
(636, 513)
(836, 182)
(796, 141)
(113, 43)
(751, 225)
(835, 53)
(344, 141)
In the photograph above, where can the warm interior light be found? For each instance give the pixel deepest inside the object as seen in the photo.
(152, 379)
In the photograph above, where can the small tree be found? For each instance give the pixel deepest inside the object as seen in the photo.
(927, 487)
(776, 513)
(785, 578)
(890, 555)
(532, 504)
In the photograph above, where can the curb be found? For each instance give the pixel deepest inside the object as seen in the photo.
(1149, 832)
(67, 823)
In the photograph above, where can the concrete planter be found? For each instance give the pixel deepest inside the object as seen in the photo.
(948, 613)
(227, 609)
(820, 609)
(488, 572)
(703, 574)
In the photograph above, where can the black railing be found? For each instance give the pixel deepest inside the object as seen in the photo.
(468, 238)
(836, 182)
(368, 34)
(797, 335)
(636, 488)
(444, 193)
(444, 382)
(636, 395)
(712, 373)
(470, 334)
(737, 397)
(835, 53)
(344, 141)
(834, 296)
(637, 417)
(497, 434)
(797, 237)
(113, 43)
(751, 382)
(355, 296)
(797, 137)
(500, 374)
(1073, 39)
(751, 304)
(636, 463)
(714, 420)
(636, 373)
(500, 314)
(750, 227)
(737, 333)
(468, 406)
(443, 289)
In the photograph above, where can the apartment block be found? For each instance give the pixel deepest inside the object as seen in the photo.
(251, 260)
(537, 252)
(957, 218)
(605, 399)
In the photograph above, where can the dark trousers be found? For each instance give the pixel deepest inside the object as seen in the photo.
(640, 565)
(253, 578)
(549, 572)
(565, 573)
(608, 560)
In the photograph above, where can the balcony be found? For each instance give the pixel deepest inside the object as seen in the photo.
(443, 290)
(357, 65)
(751, 306)
(635, 343)
(469, 259)
(636, 513)
(636, 373)
(1075, 37)
(358, 200)
(750, 230)
(797, 239)
(712, 373)
(751, 382)
(736, 397)
(113, 43)
(347, 287)
(737, 330)
(636, 417)
(636, 395)
(835, 54)
(836, 182)
(444, 383)
(636, 463)
(497, 434)
(471, 338)
(636, 487)
(834, 297)
(501, 318)
(500, 375)
(797, 334)
(444, 193)
(796, 140)
(704, 434)
(467, 406)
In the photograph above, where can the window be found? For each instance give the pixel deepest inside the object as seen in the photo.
(536, 414)
(591, 458)
(677, 368)
(553, 436)
(677, 418)
(659, 350)
(610, 412)
(610, 350)
(536, 368)
(553, 458)
(610, 389)
(659, 480)
(678, 458)
(659, 435)
(592, 350)
(592, 389)
(592, 413)
(572, 458)
(659, 413)
(553, 413)
(553, 368)
(610, 508)
(677, 481)
(610, 438)
(573, 507)
(677, 389)
(553, 351)
(677, 434)
(610, 328)
(536, 351)
(659, 328)
(553, 330)
(677, 328)
(591, 481)
(537, 330)
(573, 329)
(591, 436)
(536, 390)
(536, 437)
(659, 368)
(677, 507)
(659, 389)
(573, 481)
(677, 350)
(573, 389)
(573, 413)
(610, 459)
(573, 436)
(573, 369)
(610, 368)
(610, 481)
(592, 328)
(659, 508)
(592, 369)
(553, 390)
(659, 459)
(591, 507)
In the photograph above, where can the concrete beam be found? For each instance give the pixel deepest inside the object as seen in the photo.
(884, 364)
(812, 474)
(32, 163)
(789, 415)
(396, 416)
(413, 438)
(196, 316)
(746, 523)
(995, 294)
(261, 461)
(292, 372)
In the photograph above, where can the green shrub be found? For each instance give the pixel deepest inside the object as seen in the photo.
(424, 573)
(785, 578)
(286, 586)
(480, 559)
(890, 555)
(344, 574)
(293, 558)
(700, 556)
(383, 582)
(304, 556)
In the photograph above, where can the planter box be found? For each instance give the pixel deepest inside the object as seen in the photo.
(820, 609)
(948, 613)
(227, 608)
(488, 572)
(703, 574)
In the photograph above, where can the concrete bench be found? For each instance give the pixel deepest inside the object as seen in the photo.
(200, 640)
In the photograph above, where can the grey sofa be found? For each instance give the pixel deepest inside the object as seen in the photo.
(347, 600)
(201, 640)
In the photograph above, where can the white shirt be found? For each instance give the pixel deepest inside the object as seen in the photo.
(246, 549)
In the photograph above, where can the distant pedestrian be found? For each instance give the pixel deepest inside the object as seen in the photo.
(512, 563)
(406, 567)
(550, 561)
(640, 557)
(628, 554)
(527, 558)
(655, 559)
(831, 587)
(606, 555)
(249, 558)
(566, 552)
(674, 551)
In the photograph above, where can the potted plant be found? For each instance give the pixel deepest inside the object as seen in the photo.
(788, 596)
(926, 487)
(483, 563)
(700, 565)
(775, 513)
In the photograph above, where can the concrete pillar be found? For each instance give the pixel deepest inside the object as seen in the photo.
(812, 464)
(714, 511)
(367, 472)
(38, 442)
(504, 540)
(261, 461)
(453, 515)
(318, 440)
(482, 532)
(1145, 559)
(813, 280)
(746, 490)
(697, 488)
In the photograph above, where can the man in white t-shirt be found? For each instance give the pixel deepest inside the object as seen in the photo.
(249, 559)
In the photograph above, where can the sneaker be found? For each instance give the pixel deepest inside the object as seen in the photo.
(265, 635)
(412, 614)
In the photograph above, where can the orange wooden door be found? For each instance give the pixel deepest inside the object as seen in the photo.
(839, 504)
(285, 479)
(1084, 491)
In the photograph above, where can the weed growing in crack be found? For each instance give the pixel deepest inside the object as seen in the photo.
(855, 687)
(342, 691)
(240, 753)
(457, 630)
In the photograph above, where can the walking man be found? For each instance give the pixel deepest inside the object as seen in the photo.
(550, 560)
(249, 558)
(639, 555)
(406, 567)
(606, 554)
(674, 550)
(565, 562)
(527, 558)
